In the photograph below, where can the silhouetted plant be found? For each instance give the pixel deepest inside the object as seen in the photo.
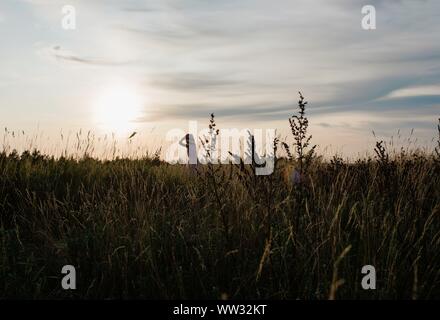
(437, 148)
(209, 142)
(156, 157)
(336, 163)
(299, 124)
(381, 153)
(287, 148)
(214, 175)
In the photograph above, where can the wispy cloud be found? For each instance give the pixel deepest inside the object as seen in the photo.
(61, 54)
(416, 91)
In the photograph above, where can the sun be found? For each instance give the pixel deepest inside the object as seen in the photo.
(117, 107)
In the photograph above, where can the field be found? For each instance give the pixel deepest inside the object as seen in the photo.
(147, 229)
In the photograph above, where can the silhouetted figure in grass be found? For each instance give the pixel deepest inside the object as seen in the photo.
(189, 143)
(292, 176)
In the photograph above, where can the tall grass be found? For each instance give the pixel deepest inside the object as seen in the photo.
(145, 229)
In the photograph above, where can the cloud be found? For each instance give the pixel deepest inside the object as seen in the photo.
(192, 81)
(416, 91)
(61, 54)
(90, 61)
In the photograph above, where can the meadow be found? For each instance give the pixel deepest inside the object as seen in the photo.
(142, 228)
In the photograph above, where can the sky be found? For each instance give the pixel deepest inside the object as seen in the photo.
(151, 66)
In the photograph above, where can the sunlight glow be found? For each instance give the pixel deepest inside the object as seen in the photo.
(117, 108)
